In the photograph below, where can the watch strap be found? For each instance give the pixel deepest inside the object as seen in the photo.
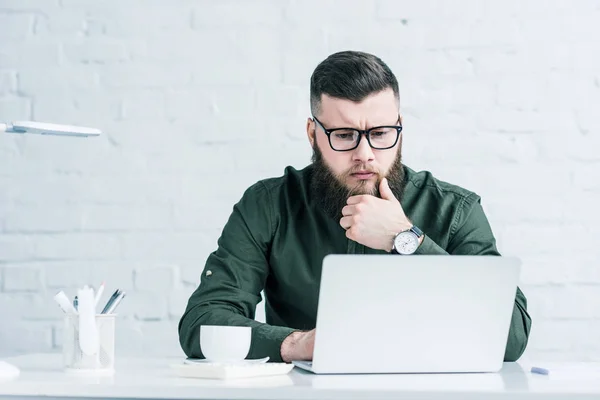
(416, 231)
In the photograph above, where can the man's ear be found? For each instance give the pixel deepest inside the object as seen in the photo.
(310, 131)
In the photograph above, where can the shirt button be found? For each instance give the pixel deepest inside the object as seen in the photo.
(208, 273)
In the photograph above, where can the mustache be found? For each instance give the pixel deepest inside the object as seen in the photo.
(362, 168)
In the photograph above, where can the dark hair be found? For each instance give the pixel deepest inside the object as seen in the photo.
(350, 75)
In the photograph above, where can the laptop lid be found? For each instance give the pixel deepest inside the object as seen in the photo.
(414, 314)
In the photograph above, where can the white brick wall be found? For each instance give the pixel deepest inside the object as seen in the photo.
(199, 99)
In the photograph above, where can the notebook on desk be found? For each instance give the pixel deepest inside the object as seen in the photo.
(413, 314)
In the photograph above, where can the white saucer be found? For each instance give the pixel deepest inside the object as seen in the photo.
(230, 371)
(192, 361)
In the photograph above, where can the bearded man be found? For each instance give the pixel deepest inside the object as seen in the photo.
(356, 197)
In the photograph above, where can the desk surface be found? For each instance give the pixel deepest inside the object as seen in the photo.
(152, 378)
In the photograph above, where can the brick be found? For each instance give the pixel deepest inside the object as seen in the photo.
(23, 53)
(161, 339)
(547, 270)
(161, 247)
(30, 307)
(8, 82)
(22, 278)
(269, 101)
(90, 5)
(31, 5)
(32, 82)
(189, 165)
(140, 189)
(83, 246)
(68, 275)
(177, 301)
(23, 219)
(517, 121)
(228, 102)
(218, 133)
(139, 156)
(265, 162)
(25, 337)
(487, 149)
(49, 190)
(78, 107)
(145, 305)
(114, 218)
(95, 51)
(541, 239)
(16, 26)
(66, 23)
(296, 12)
(144, 104)
(158, 18)
(561, 28)
(15, 248)
(530, 209)
(159, 279)
(145, 76)
(15, 108)
(129, 335)
(585, 117)
(587, 177)
(242, 67)
(191, 270)
(564, 301)
(190, 215)
(566, 336)
(231, 13)
(545, 92)
(116, 275)
(157, 53)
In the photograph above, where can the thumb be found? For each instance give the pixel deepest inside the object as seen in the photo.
(385, 191)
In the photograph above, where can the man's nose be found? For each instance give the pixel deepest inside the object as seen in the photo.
(363, 152)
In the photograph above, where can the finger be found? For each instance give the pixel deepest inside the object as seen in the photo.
(346, 222)
(385, 191)
(357, 199)
(349, 210)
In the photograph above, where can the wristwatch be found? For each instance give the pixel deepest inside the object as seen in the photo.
(407, 242)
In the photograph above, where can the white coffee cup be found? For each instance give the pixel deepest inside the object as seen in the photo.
(225, 343)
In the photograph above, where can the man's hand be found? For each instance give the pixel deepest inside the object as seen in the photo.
(298, 346)
(372, 221)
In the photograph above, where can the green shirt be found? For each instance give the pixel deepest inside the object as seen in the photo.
(276, 238)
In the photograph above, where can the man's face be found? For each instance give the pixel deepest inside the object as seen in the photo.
(360, 170)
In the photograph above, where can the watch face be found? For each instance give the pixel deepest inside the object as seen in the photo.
(406, 243)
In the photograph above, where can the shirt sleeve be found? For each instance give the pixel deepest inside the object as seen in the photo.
(471, 234)
(233, 278)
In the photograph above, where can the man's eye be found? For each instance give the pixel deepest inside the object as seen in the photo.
(344, 135)
(379, 133)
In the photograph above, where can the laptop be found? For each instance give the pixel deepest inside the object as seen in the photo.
(413, 314)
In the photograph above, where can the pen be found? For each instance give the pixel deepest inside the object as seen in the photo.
(64, 303)
(75, 303)
(538, 370)
(110, 301)
(116, 303)
(99, 294)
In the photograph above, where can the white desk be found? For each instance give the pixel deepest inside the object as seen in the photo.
(151, 378)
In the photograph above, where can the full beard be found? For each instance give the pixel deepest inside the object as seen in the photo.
(331, 191)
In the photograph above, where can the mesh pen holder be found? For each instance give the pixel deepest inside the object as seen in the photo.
(102, 360)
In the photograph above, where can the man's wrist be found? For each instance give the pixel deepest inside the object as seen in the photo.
(289, 346)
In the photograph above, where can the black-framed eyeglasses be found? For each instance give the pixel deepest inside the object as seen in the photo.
(346, 139)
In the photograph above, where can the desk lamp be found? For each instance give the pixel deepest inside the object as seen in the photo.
(9, 371)
(43, 128)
